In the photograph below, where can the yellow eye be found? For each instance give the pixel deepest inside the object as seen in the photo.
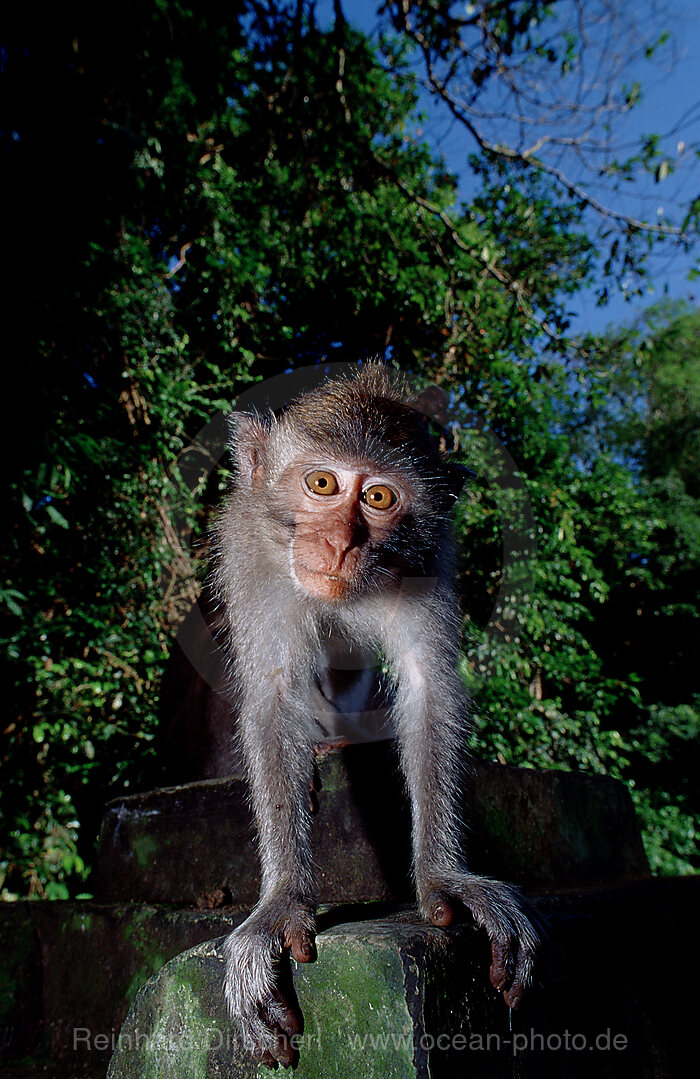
(322, 483)
(379, 497)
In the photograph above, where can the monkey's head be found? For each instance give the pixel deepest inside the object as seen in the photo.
(351, 484)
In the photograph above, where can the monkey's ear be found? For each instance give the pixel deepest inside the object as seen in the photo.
(250, 439)
(433, 402)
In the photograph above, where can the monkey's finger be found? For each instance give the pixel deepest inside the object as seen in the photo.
(441, 912)
(302, 945)
(264, 1056)
(514, 996)
(285, 1015)
(279, 1047)
(522, 978)
(283, 1050)
(501, 972)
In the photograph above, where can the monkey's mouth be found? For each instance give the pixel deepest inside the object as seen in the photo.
(321, 582)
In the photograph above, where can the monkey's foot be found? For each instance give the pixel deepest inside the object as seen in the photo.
(502, 912)
(258, 982)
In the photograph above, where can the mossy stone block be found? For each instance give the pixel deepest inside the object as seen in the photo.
(69, 970)
(541, 830)
(365, 1003)
(395, 998)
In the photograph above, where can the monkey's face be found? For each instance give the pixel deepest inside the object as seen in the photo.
(344, 519)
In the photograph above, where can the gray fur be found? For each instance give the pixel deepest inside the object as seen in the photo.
(281, 644)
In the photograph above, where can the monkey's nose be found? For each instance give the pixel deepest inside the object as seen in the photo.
(334, 551)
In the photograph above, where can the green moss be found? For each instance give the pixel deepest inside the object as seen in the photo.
(145, 849)
(355, 1006)
(171, 1029)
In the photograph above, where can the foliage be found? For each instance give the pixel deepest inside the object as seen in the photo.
(588, 659)
(236, 195)
(541, 91)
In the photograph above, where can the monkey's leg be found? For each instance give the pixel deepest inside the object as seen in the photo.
(257, 985)
(430, 717)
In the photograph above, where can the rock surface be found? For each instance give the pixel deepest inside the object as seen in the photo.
(392, 998)
(70, 970)
(540, 830)
(388, 995)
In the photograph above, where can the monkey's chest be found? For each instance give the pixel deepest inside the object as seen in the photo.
(350, 701)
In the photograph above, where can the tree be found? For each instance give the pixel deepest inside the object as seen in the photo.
(546, 92)
(201, 201)
(639, 404)
(220, 211)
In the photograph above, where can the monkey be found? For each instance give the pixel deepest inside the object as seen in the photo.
(338, 531)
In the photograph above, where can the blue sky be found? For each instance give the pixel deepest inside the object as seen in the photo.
(670, 103)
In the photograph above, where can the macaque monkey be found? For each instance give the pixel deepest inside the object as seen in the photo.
(338, 530)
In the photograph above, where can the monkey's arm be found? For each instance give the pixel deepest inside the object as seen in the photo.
(278, 752)
(431, 716)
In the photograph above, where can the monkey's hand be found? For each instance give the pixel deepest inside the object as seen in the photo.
(501, 911)
(257, 980)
